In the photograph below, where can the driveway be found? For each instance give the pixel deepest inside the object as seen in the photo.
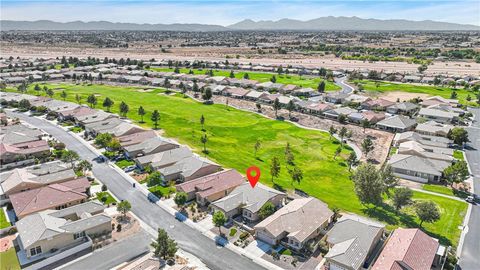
(190, 240)
(258, 248)
(469, 258)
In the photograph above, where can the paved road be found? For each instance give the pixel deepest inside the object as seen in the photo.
(117, 253)
(342, 82)
(190, 240)
(470, 256)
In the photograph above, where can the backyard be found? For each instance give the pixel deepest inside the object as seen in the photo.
(302, 81)
(9, 260)
(3, 220)
(232, 135)
(445, 92)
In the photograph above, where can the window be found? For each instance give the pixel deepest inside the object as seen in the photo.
(35, 251)
(78, 235)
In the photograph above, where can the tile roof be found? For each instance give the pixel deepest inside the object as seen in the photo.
(213, 183)
(136, 137)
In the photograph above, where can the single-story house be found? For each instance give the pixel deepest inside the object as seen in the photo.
(433, 128)
(410, 249)
(439, 116)
(163, 159)
(187, 169)
(352, 241)
(425, 151)
(136, 138)
(397, 123)
(212, 187)
(295, 224)
(418, 169)
(435, 100)
(336, 97)
(423, 139)
(236, 92)
(247, 201)
(403, 108)
(149, 146)
(379, 104)
(114, 126)
(335, 113)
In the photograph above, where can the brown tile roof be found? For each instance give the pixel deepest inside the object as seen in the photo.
(48, 197)
(136, 137)
(213, 183)
(379, 102)
(407, 247)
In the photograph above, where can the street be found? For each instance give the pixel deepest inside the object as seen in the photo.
(188, 239)
(469, 259)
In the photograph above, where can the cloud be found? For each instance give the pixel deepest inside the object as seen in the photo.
(228, 12)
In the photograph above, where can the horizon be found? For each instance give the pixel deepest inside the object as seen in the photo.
(226, 13)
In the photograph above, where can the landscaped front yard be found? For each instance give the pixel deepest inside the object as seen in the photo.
(232, 135)
(124, 163)
(105, 197)
(161, 191)
(3, 220)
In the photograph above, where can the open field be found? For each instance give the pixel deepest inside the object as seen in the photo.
(386, 88)
(302, 81)
(231, 137)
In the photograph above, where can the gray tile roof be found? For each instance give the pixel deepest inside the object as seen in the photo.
(418, 164)
(398, 121)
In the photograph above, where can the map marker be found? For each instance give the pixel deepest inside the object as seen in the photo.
(253, 179)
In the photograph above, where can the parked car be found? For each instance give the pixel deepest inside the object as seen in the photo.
(470, 199)
(130, 168)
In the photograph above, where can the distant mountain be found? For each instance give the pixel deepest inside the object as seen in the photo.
(6, 25)
(323, 23)
(350, 23)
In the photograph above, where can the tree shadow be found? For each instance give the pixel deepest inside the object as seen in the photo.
(206, 152)
(278, 187)
(259, 159)
(342, 164)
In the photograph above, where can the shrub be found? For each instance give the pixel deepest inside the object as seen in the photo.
(244, 235)
(104, 187)
(119, 227)
(233, 231)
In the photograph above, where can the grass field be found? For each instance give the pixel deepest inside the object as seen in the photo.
(160, 191)
(231, 138)
(3, 220)
(124, 163)
(9, 260)
(109, 198)
(422, 89)
(458, 154)
(302, 81)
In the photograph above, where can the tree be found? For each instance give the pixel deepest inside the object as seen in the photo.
(342, 118)
(290, 108)
(123, 207)
(204, 140)
(37, 88)
(296, 174)
(164, 246)
(365, 124)
(402, 197)
(289, 157)
(63, 95)
(78, 98)
(49, 93)
(180, 199)
(458, 135)
(422, 68)
(368, 183)
(266, 210)
(108, 103)
(218, 220)
(84, 166)
(453, 95)
(69, 156)
(155, 118)
(92, 100)
(124, 109)
(332, 130)
(367, 146)
(246, 76)
(456, 173)
(259, 107)
(207, 95)
(256, 147)
(103, 139)
(337, 152)
(114, 144)
(273, 79)
(141, 112)
(275, 168)
(202, 122)
(24, 104)
(155, 178)
(276, 106)
(389, 178)
(352, 161)
(342, 133)
(321, 87)
(427, 211)
(232, 75)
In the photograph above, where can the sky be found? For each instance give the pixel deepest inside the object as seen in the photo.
(229, 12)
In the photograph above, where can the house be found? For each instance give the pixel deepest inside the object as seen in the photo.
(12, 153)
(212, 187)
(304, 92)
(236, 92)
(136, 137)
(426, 151)
(96, 116)
(79, 112)
(356, 99)
(378, 104)
(335, 113)
(397, 123)
(416, 168)
(254, 95)
(410, 249)
(53, 196)
(187, 169)
(247, 201)
(433, 128)
(50, 232)
(370, 116)
(318, 108)
(149, 146)
(295, 224)
(439, 116)
(423, 139)
(406, 108)
(352, 241)
(114, 126)
(288, 88)
(163, 159)
(336, 97)
(435, 100)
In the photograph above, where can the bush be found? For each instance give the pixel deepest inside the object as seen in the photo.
(109, 154)
(59, 146)
(104, 187)
(244, 235)
(119, 227)
(233, 231)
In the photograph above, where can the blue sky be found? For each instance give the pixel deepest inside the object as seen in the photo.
(228, 12)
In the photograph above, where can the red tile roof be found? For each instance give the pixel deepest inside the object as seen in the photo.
(407, 247)
(136, 138)
(49, 197)
(213, 183)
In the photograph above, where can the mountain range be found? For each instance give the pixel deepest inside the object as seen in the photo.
(319, 24)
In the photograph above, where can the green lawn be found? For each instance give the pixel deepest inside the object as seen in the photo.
(392, 151)
(9, 260)
(458, 154)
(124, 163)
(107, 195)
(302, 81)
(231, 138)
(3, 220)
(445, 92)
(444, 190)
(160, 191)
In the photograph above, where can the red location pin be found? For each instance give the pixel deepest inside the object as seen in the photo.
(253, 179)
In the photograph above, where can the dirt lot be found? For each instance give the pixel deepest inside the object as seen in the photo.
(402, 96)
(382, 139)
(219, 54)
